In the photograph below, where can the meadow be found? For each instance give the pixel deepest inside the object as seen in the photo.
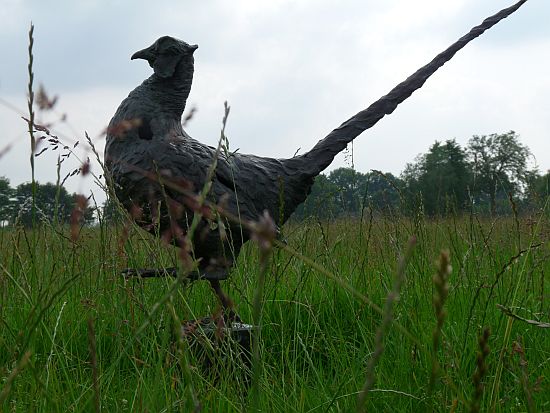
(364, 309)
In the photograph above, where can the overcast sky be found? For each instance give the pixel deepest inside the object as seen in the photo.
(290, 70)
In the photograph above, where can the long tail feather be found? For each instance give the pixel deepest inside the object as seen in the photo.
(325, 150)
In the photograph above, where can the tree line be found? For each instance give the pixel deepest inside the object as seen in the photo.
(52, 203)
(490, 175)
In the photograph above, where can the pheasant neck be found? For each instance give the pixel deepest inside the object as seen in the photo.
(172, 93)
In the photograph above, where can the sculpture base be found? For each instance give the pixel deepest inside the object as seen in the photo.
(222, 348)
(212, 275)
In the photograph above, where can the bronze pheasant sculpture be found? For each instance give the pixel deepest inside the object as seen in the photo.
(146, 145)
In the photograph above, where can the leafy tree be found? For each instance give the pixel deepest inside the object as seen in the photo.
(538, 189)
(6, 204)
(439, 178)
(321, 202)
(53, 203)
(499, 165)
(49, 203)
(351, 185)
(381, 191)
(345, 192)
(541, 185)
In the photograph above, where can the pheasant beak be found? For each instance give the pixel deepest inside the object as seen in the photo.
(145, 54)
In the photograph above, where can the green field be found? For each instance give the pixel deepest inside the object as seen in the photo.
(67, 315)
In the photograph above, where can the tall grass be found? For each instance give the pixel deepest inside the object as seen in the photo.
(316, 338)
